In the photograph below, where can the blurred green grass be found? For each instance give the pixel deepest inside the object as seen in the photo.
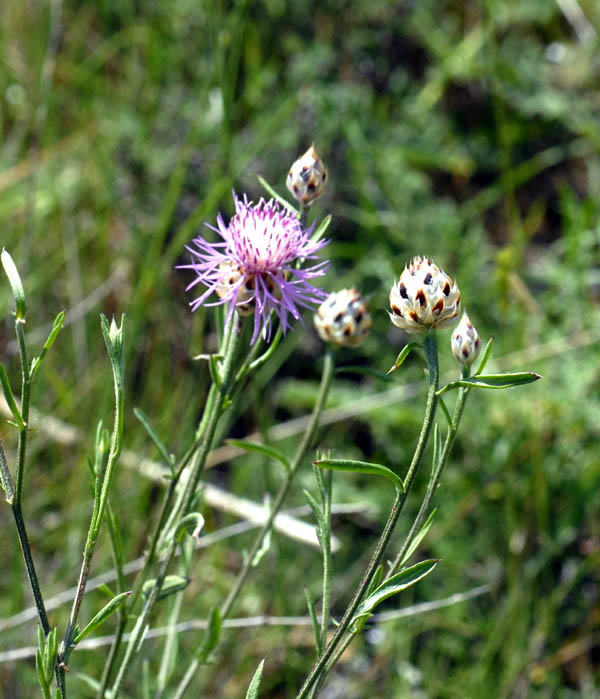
(466, 130)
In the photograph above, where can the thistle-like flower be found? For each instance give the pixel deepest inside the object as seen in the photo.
(307, 176)
(424, 298)
(465, 341)
(343, 318)
(254, 267)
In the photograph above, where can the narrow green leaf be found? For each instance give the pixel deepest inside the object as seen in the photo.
(276, 196)
(406, 350)
(6, 478)
(446, 412)
(171, 585)
(375, 580)
(56, 328)
(215, 374)
(191, 524)
(313, 620)
(392, 586)
(493, 381)
(211, 636)
(321, 229)
(316, 508)
(16, 284)
(264, 548)
(362, 467)
(366, 371)
(487, 352)
(10, 399)
(252, 692)
(258, 448)
(497, 381)
(102, 616)
(143, 418)
(421, 534)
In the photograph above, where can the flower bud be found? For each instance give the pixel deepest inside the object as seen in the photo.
(424, 298)
(343, 318)
(306, 178)
(465, 341)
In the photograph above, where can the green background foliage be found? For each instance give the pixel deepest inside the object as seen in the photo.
(465, 130)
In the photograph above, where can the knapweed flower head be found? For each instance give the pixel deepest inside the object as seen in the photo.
(343, 318)
(254, 268)
(307, 176)
(424, 298)
(465, 341)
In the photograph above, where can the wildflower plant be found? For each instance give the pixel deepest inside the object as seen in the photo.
(262, 269)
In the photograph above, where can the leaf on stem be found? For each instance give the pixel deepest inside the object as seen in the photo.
(313, 620)
(56, 328)
(258, 448)
(485, 356)
(10, 399)
(102, 616)
(276, 196)
(406, 350)
(362, 467)
(16, 284)
(493, 381)
(392, 586)
(165, 453)
(171, 585)
(421, 534)
(191, 524)
(6, 478)
(321, 229)
(252, 692)
(211, 636)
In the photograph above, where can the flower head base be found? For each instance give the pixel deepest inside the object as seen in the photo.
(307, 176)
(424, 298)
(253, 268)
(343, 318)
(465, 341)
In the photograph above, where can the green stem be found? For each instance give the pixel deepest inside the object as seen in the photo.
(430, 347)
(196, 470)
(434, 481)
(431, 488)
(303, 447)
(18, 492)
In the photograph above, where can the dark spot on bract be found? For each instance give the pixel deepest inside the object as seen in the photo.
(465, 353)
(295, 188)
(397, 311)
(338, 317)
(439, 307)
(359, 317)
(428, 278)
(324, 176)
(414, 316)
(347, 331)
(403, 291)
(446, 289)
(421, 298)
(311, 186)
(477, 342)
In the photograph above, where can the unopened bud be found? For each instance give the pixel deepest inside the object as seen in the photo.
(343, 318)
(307, 176)
(424, 298)
(465, 341)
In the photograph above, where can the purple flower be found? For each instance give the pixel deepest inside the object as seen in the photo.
(254, 268)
